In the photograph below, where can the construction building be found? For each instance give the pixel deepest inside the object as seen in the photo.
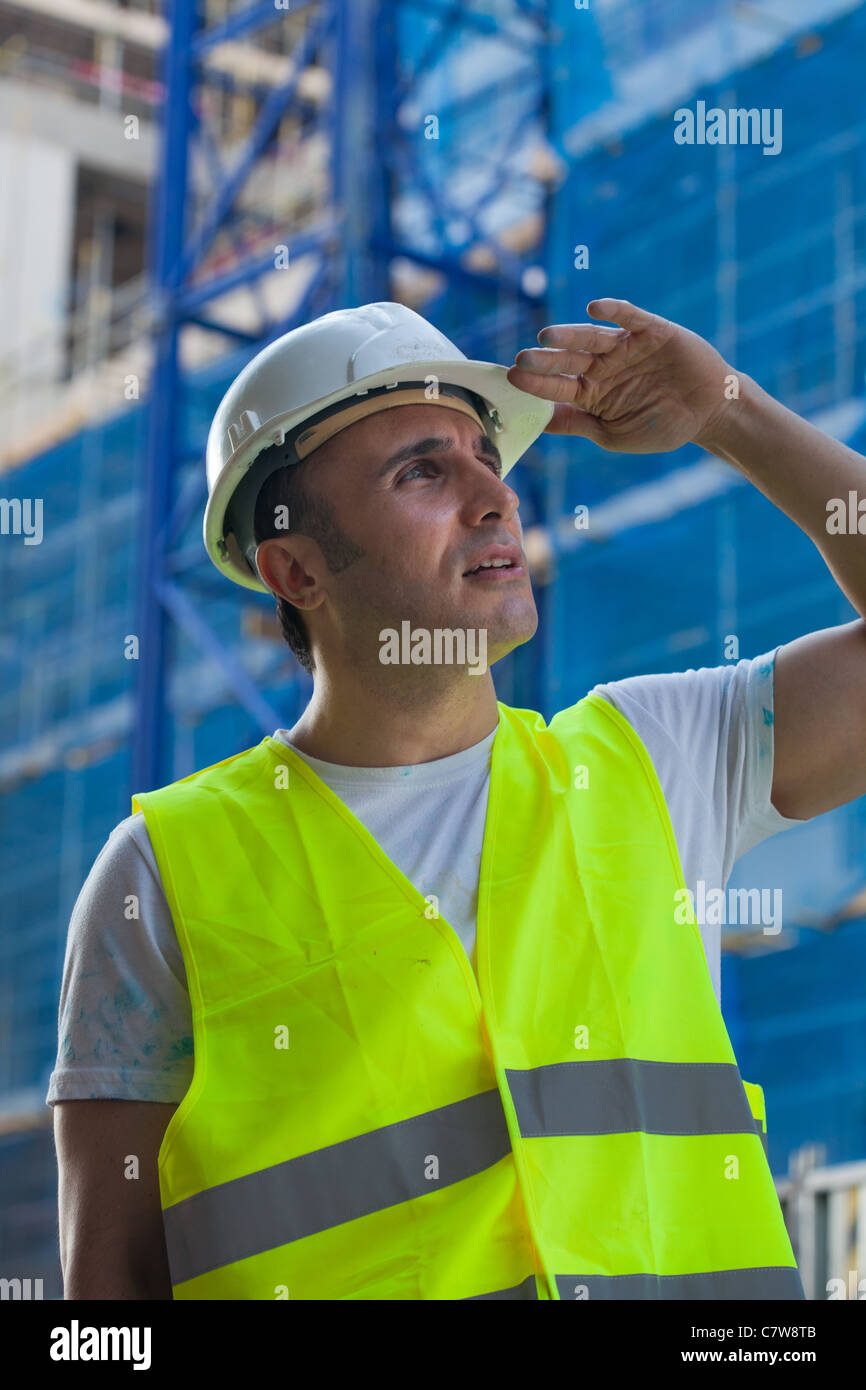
(180, 185)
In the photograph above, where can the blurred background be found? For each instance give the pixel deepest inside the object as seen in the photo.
(181, 183)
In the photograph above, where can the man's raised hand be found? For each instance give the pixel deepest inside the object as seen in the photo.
(644, 387)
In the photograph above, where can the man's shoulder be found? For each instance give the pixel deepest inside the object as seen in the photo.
(234, 768)
(125, 857)
(677, 700)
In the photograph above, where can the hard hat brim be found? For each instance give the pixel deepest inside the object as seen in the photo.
(522, 415)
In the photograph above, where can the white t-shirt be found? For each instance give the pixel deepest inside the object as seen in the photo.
(125, 1028)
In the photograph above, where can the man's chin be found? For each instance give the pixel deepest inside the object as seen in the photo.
(514, 619)
(500, 644)
(477, 631)
(505, 631)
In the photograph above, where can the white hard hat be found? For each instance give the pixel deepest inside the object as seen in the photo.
(327, 374)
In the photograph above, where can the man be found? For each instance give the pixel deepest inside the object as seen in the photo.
(379, 1103)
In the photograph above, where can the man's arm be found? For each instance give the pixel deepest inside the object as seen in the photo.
(819, 756)
(649, 386)
(112, 1242)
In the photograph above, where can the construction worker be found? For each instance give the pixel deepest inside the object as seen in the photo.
(412, 1001)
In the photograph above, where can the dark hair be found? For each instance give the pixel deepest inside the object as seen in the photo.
(308, 514)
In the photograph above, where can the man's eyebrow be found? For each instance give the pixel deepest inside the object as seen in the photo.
(436, 444)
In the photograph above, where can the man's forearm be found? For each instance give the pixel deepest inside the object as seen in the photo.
(800, 470)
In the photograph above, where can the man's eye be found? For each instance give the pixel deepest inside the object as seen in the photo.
(492, 464)
(424, 463)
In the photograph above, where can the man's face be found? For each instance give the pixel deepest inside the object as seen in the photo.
(417, 487)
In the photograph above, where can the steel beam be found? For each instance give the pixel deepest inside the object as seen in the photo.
(168, 231)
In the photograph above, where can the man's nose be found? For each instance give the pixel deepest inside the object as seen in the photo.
(486, 495)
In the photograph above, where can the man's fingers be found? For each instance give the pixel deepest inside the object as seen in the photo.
(554, 361)
(581, 337)
(570, 419)
(621, 311)
(567, 418)
(550, 388)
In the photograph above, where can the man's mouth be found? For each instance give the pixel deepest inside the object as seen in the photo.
(497, 562)
(492, 565)
(495, 572)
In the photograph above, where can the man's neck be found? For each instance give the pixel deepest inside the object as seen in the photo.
(357, 726)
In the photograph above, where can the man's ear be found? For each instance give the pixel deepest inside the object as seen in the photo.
(290, 566)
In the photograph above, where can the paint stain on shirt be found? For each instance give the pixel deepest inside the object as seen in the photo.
(180, 1048)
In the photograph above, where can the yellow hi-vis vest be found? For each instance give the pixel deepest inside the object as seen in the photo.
(366, 1121)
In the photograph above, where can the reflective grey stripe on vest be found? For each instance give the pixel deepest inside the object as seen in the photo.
(776, 1281)
(526, 1290)
(371, 1172)
(333, 1185)
(625, 1094)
